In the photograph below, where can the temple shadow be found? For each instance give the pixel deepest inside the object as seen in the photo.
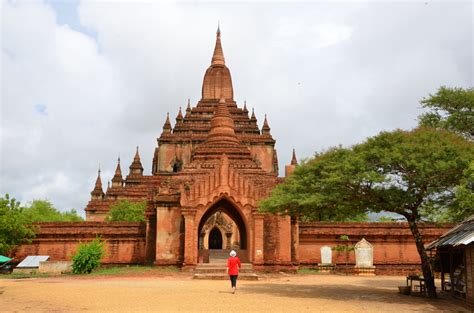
(339, 292)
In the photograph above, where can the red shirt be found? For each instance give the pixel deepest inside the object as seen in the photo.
(233, 264)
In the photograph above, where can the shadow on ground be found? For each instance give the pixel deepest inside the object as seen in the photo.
(350, 293)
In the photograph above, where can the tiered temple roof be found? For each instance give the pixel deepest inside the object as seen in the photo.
(214, 141)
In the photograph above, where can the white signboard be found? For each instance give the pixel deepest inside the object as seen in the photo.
(364, 253)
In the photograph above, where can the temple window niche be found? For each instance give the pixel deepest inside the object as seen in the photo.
(219, 233)
(177, 165)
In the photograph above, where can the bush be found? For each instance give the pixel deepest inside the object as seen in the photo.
(88, 256)
(126, 211)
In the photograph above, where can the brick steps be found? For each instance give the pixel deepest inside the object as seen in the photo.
(214, 276)
(217, 271)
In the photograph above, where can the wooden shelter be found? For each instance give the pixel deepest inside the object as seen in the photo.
(455, 260)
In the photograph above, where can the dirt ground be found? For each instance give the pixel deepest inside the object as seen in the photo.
(179, 293)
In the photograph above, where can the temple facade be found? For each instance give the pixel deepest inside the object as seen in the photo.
(209, 172)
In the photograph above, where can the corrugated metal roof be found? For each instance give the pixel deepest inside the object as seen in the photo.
(462, 234)
(32, 261)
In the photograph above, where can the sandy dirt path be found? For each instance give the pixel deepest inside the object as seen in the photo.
(291, 293)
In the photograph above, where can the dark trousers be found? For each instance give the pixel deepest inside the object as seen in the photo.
(233, 280)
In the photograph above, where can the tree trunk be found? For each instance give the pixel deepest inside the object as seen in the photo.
(425, 263)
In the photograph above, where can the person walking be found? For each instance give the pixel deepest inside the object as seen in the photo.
(233, 265)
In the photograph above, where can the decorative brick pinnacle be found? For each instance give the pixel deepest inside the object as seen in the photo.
(136, 166)
(218, 56)
(179, 118)
(294, 161)
(98, 192)
(265, 128)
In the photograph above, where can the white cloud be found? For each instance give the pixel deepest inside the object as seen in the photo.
(324, 73)
(57, 184)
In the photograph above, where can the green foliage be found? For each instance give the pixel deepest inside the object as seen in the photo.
(135, 270)
(451, 109)
(404, 172)
(387, 219)
(15, 229)
(303, 194)
(345, 248)
(411, 173)
(465, 194)
(88, 256)
(25, 275)
(43, 211)
(126, 211)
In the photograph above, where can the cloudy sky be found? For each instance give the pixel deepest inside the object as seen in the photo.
(85, 81)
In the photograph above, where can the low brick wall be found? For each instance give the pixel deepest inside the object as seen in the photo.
(394, 246)
(125, 241)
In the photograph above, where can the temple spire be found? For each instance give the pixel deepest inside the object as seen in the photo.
(167, 125)
(117, 180)
(294, 161)
(98, 181)
(265, 127)
(179, 118)
(188, 108)
(97, 193)
(136, 166)
(253, 119)
(245, 107)
(218, 56)
(217, 81)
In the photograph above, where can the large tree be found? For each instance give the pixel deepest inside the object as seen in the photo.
(399, 171)
(15, 228)
(43, 211)
(451, 109)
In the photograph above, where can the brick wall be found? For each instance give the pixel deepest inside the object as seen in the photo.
(394, 246)
(125, 241)
(270, 239)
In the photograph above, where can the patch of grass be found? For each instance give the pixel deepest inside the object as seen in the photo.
(107, 271)
(307, 271)
(24, 275)
(133, 269)
(167, 269)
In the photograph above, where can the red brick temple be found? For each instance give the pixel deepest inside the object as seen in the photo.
(214, 159)
(208, 174)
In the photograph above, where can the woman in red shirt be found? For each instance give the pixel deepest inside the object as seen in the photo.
(233, 265)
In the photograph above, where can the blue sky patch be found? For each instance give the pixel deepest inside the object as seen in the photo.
(40, 109)
(66, 14)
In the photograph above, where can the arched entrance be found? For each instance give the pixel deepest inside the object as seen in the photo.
(215, 239)
(226, 237)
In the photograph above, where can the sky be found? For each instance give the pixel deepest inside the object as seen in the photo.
(83, 82)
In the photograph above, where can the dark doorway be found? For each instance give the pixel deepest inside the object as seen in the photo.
(215, 239)
(217, 252)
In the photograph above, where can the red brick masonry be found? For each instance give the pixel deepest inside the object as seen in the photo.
(125, 242)
(394, 248)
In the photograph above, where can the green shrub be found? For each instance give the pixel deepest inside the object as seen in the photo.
(126, 211)
(88, 256)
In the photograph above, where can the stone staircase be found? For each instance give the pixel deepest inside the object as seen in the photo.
(216, 270)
